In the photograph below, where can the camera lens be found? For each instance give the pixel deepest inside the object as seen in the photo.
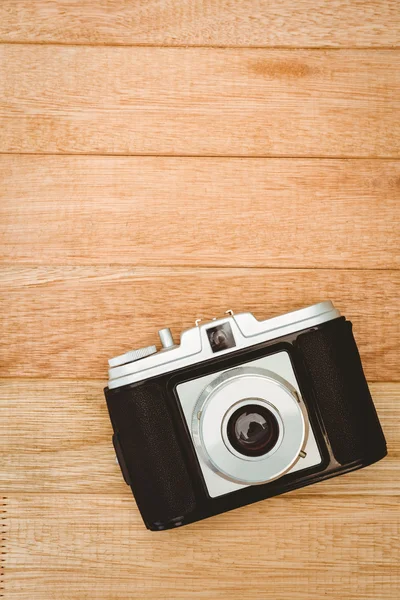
(253, 430)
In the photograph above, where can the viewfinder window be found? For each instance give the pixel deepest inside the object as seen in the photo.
(221, 337)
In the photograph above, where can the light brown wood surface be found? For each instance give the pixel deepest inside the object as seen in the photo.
(87, 314)
(94, 545)
(162, 161)
(306, 213)
(305, 23)
(199, 101)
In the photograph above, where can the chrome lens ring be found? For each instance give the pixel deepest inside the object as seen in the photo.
(222, 397)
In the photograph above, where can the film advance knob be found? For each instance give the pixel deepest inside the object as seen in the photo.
(166, 338)
(131, 356)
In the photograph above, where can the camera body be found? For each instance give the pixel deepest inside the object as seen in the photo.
(240, 411)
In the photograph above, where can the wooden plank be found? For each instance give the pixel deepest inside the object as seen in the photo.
(182, 101)
(77, 546)
(320, 23)
(67, 321)
(55, 436)
(199, 211)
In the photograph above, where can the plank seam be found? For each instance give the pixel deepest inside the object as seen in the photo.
(347, 157)
(179, 267)
(372, 48)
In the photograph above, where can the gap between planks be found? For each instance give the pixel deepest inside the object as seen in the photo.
(206, 156)
(199, 46)
(203, 267)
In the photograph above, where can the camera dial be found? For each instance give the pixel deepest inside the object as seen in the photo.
(131, 356)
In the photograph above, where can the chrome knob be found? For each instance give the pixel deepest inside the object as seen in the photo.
(131, 356)
(166, 338)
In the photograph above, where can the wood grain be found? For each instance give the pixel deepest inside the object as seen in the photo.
(271, 182)
(191, 101)
(79, 547)
(67, 321)
(329, 23)
(55, 436)
(200, 211)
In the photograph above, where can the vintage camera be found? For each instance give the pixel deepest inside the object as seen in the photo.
(241, 410)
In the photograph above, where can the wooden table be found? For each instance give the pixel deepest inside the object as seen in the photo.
(167, 160)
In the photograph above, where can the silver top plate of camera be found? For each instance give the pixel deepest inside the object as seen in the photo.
(208, 340)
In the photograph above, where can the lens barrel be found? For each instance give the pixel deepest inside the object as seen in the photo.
(253, 430)
(248, 425)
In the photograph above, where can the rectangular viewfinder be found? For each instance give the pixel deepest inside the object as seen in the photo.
(221, 337)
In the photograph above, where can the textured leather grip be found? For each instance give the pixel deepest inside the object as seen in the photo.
(154, 463)
(332, 361)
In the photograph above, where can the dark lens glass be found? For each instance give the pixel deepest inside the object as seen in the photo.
(253, 430)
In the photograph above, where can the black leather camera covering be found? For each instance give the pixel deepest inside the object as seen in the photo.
(156, 453)
(333, 363)
(148, 448)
